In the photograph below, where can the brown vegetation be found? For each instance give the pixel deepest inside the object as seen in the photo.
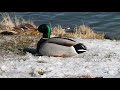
(10, 27)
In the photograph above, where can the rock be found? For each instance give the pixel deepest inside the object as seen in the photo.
(8, 32)
(107, 37)
(3, 68)
(24, 27)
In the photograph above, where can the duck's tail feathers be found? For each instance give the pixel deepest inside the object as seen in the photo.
(80, 48)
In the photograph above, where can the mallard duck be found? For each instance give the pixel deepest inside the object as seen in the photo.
(56, 46)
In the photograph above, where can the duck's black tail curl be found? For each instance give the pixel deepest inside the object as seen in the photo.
(80, 48)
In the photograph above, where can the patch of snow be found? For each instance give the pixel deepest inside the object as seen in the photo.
(102, 59)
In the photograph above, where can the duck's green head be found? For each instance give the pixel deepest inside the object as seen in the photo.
(45, 29)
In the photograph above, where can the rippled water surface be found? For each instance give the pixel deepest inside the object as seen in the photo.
(107, 22)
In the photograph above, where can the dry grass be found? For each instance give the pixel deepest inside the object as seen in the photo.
(81, 31)
(21, 20)
(58, 31)
(8, 24)
(84, 31)
(15, 26)
(16, 43)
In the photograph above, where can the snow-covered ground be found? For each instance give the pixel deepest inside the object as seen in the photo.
(101, 60)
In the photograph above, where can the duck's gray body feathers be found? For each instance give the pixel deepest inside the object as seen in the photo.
(58, 46)
(51, 49)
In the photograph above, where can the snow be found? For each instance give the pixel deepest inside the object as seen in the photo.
(102, 59)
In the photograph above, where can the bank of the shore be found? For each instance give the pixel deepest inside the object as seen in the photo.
(101, 60)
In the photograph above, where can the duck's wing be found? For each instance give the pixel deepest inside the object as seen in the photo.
(62, 41)
(65, 38)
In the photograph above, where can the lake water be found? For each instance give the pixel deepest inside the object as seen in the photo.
(107, 22)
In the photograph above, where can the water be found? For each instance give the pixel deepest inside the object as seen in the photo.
(107, 22)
